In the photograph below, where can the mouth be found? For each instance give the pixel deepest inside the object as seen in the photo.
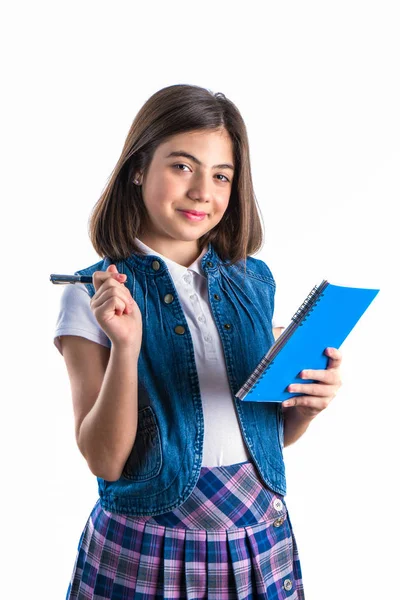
(193, 212)
(193, 215)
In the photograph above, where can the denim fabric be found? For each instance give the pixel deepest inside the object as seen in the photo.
(166, 458)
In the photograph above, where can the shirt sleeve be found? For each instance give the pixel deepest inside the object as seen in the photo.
(76, 317)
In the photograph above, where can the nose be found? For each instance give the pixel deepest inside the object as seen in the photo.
(200, 188)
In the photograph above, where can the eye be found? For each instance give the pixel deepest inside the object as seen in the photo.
(220, 175)
(179, 165)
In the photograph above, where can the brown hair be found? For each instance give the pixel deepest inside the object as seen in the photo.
(119, 212)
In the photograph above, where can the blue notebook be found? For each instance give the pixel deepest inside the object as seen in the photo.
(325, 319)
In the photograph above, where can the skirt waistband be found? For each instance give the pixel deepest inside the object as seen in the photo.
(224, 498)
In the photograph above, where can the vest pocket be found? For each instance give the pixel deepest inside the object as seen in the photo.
(145, 459)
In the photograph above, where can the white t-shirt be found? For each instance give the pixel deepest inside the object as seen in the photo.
(223, 443)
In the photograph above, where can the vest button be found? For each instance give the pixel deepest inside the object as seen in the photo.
(168, 298)
(216, 297)
(209, 264)
(179, 329)
(227, 326)
(156, 265)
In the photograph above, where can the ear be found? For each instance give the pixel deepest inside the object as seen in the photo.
(137, 178)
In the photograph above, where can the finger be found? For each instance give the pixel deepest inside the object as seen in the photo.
(113, 269)
(119, 295)
(335, 357)
(316, 403)
(311, 389)
(113, 290)
(99, 277)
(111, 305)
(112, 282)
(325, 376)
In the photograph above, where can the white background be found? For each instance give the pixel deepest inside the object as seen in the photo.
(318, 86)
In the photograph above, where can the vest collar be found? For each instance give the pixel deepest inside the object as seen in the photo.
(154, 263)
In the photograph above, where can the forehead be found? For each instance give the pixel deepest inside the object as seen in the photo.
(212, 143)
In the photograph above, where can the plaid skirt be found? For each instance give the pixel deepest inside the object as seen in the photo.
(232, 538)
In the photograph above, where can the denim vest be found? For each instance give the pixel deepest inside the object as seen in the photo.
(166, 458)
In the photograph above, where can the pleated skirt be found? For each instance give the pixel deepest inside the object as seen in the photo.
(231, 539)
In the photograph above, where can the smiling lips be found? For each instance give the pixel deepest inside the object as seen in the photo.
(193, 215)
(193, 212)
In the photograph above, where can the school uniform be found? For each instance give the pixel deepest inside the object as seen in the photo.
(199, 509)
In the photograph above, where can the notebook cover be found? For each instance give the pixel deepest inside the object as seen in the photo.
(327, 325)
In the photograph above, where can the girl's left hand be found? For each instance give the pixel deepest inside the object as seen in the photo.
(320, 393)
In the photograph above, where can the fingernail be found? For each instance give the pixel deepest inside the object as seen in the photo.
(287, 403)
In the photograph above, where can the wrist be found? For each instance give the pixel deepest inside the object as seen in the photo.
(124, 349)
(295, 424)
(297, 414)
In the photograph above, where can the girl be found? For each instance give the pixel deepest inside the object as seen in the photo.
(191, 480)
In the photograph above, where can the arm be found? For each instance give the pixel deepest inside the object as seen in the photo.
(104, 395)
(295, 424)
(104, 382)
(299, 411)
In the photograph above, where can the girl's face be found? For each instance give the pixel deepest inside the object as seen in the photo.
(191, 171)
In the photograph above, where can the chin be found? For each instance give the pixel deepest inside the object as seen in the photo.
(189, 238)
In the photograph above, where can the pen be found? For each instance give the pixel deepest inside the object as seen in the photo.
(61, 279)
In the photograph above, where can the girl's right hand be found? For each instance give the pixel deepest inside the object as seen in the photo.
(115, 310)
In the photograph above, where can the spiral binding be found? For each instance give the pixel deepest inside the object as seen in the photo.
(254, 378)
(297, 320)
(312, 298)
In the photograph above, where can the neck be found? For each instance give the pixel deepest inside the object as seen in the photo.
(182, 252)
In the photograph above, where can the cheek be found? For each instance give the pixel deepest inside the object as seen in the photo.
(223, 202)
(157, 194)
(165, 190)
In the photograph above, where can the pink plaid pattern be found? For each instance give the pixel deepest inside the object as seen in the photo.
(231, 539)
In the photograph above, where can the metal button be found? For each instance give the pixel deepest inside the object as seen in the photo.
(179, 329)
(216, 297)
(287, 584)
(227, 326)
(209, 263)
(168, 298)
(278, 504)
(278, 522)
(156, 265)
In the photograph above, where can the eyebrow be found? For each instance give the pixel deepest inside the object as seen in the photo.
(196, 160)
